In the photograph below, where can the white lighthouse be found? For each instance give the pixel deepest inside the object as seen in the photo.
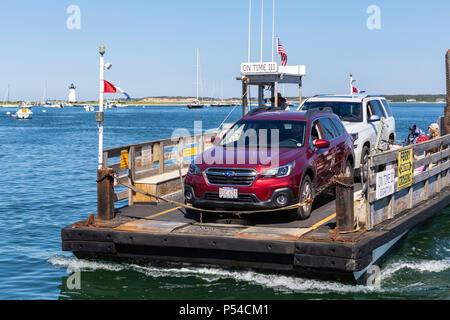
(72, 93)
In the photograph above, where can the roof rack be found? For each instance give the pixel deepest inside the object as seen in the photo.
(358, 96)
(260, 110)
(314, 111)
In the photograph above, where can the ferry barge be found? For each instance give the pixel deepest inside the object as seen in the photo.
(344, 236)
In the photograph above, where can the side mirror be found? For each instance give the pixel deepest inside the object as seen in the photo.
(215, 139)
(374, 118)
(321, 144)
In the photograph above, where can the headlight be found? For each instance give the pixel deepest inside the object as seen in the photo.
(355, 136)
(195, 169)
(280, 172)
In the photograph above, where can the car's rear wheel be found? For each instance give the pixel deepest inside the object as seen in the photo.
(349, 170)
(365, 162)
(306, 192)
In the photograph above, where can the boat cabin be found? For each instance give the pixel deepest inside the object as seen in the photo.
(268, 75)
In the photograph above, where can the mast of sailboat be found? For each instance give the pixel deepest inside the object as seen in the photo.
(44, 98)
(197, 72)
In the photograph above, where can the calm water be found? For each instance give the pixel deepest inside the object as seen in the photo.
(48, 182)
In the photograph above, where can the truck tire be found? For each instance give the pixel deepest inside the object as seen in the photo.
(365, 162)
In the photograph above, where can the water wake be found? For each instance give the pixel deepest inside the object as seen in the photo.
(210, 274)
(421, 266)
(281, 283)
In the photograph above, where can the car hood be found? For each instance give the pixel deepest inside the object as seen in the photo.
(246, 157)
(353, 127)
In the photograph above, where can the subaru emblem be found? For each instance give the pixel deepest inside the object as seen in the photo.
(229, 173)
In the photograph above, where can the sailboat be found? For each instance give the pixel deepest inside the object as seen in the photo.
(6, 100)
(196, 104)
(24, 111)
(45, 103)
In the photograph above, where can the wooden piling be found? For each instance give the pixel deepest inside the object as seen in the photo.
(447, 108)
(245, 95)
(344, 204)
(105, 194)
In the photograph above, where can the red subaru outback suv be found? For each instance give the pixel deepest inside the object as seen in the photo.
(269, 160)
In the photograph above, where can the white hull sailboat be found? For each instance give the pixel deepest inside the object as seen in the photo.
(196, 104)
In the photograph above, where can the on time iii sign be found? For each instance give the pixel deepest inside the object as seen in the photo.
(258, 67)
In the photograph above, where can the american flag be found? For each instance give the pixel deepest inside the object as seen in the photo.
(280, 51)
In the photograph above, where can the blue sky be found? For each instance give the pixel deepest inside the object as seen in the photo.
(152, 45)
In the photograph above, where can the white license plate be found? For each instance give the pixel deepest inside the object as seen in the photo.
(228, 193)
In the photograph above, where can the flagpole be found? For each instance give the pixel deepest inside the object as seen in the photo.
(273, 29)
(276, 53)
(351, 83)
(100, 115)
(249, 27)
(262, 29)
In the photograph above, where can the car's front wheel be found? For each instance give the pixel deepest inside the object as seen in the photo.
(306, 192)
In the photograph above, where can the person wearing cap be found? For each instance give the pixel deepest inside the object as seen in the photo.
(282, 103)
(434, 133)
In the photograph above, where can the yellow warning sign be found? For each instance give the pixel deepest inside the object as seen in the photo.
(124, 159)
(405, 168)
(190, 152)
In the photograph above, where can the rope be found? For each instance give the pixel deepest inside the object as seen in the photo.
(179, 204)
(232, 110)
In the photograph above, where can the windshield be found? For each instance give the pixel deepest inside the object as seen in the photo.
(266, 134)
(347, 111)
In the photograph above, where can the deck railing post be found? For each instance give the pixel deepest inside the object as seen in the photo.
(105, 194)
(161, 157)
(344, 204)
(447, 108)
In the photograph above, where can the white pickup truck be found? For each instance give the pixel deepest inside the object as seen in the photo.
(363, 116)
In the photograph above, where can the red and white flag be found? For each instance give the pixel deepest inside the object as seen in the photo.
(108, 87)
(282, 53)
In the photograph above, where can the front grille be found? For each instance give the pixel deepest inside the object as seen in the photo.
(246, 198)
(231, 177)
